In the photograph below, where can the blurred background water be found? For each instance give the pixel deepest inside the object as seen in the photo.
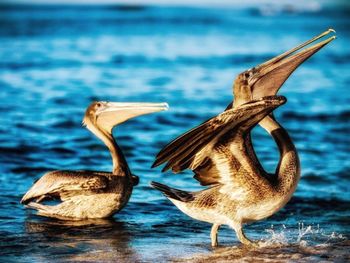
(55, 60)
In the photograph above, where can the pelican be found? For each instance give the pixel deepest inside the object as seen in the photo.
(92, 194)
(221, 155)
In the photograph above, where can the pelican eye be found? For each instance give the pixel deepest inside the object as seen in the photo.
(98, 105)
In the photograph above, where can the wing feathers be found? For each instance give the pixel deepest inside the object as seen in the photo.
(57, 182)
(197, 146)
(178, 145)
(190, 147)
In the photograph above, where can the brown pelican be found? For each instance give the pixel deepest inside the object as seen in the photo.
(221, 154)
(92, 194)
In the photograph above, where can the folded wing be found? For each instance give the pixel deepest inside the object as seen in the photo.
(62, 183)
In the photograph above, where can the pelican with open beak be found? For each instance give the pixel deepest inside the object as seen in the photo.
(92, 194)
(267, 78)
(221, 155)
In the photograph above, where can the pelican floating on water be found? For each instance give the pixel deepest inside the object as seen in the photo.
(92, 194)
(220, 152)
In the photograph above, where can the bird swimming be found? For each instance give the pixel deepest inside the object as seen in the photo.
(92, 194)
(221, 154)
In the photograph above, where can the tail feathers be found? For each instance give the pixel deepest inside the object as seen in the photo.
(173, 193)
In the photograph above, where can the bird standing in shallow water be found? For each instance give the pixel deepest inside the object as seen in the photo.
(92, 194)
(221, 155)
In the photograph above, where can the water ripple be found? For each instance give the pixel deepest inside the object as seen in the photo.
(55, 60)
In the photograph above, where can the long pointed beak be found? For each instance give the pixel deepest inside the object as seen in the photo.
(115, 113)
(140, 107)
(270, 76)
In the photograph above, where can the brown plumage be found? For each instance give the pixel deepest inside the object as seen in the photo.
(237, 189)
(92, 194)
(221, 155)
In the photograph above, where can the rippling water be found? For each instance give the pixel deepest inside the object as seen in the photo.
(55, 60)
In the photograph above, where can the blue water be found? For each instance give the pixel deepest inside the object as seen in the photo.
(55, 60)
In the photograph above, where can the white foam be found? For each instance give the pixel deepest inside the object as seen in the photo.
(303, 235)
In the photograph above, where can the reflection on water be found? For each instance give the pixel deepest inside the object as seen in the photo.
(88, 240)
(55, 60)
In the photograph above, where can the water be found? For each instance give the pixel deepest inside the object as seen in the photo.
(55, 60)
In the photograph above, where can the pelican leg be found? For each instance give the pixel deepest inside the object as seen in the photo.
(214, 235)
(241, 236)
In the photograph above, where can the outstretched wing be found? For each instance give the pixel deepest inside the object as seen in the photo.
(216, 150)
(61, 183)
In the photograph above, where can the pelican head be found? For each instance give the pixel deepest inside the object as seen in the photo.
(267, 78)
(102, 116)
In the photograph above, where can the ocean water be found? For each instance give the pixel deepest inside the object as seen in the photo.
(55, 60)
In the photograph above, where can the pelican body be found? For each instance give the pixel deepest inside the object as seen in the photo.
(92, 194)
(221, 155)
